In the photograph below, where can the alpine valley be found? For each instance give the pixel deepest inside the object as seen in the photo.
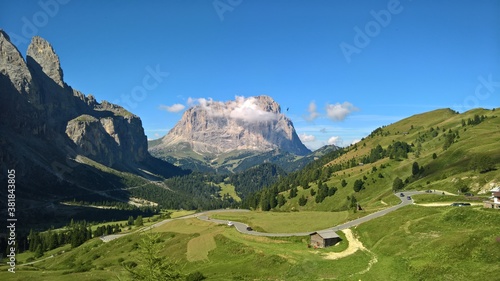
(231, 193)
(70, 152)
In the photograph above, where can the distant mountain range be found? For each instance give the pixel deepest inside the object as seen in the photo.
(232, 136)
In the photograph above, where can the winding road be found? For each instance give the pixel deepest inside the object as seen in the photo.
(241, 227)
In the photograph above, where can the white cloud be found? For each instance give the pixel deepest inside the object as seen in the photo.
(248, 110)
(173, 108)
(355, 141)
(338, 112)
(245, 109)
(335, 140)
(313, 112)
(307, 138)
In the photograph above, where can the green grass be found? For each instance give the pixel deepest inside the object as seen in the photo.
(286, 222)
(432, 197)
(412, 243)
(180, 213)
(229, 189)
(434, 243)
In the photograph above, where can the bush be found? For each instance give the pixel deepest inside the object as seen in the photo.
(130, 264)
(397, 184)
(195, 276)
(358, 185)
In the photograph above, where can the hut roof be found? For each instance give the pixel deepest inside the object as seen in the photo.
(326, 234)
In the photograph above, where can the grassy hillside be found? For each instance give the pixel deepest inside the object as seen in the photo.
(449, 151)
(413, 243)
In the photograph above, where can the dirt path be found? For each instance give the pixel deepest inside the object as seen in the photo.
(354, 246)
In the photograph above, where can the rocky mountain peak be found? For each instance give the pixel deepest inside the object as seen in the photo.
(12, 65)
(252, 123)
(4, 34)
(41, 104)
(44, 57)
(268, 104)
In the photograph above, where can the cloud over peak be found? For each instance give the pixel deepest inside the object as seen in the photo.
(244, 109)
(307, 138)
(335, 140)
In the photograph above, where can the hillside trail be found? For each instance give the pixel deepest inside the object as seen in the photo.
(354, 246)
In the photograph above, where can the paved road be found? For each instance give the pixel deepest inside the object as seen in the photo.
(107, 238)
(241, 227)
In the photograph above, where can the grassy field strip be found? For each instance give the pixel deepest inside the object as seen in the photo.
(229, 189)
(199, 247)
(185, 226)
(180, 213)
(442, 204)
(277, 222)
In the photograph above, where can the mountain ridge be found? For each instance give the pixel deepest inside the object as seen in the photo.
(47, 128)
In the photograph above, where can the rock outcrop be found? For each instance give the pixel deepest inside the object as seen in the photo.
(42, 53)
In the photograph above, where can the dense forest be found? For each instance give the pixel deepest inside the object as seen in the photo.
(256, 178)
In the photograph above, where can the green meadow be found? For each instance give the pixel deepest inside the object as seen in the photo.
(412, 243)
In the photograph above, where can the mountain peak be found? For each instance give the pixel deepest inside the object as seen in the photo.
(13, 66)
(4, 34)
(41, 56)
(252, 123)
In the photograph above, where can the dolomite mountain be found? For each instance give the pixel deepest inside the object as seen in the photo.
(254, 123)
(54, 136)
(216, 129)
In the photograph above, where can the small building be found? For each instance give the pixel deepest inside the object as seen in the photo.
(494, 202)
(324, 238)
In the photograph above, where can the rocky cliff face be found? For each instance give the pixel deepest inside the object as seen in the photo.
(41, 104)
(46, 126)
(254, 123)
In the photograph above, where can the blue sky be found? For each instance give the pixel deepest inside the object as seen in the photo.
(343, 68)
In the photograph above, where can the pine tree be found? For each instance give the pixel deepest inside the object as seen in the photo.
(415, 169)
(152, 267)
(281, 200)
(302, 201)
(138, 221)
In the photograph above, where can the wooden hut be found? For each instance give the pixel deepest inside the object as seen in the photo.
(324, 238)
